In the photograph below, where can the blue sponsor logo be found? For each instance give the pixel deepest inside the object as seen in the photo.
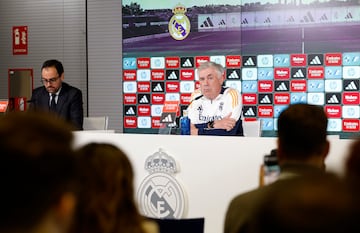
(249, 74)
(350, 111)
(278, 109)
(316, 85)
(333, 85)
(281, 60)
(265, 74)
(265, 60)
(129, 63)
(334, 125)
(249, 87)
(144, 122)
(297, 98)
(157, 62)
(333, 72)
(316, 98)
(351, 59)
(267, 124)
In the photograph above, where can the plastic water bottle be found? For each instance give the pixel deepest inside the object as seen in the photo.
(185, 124)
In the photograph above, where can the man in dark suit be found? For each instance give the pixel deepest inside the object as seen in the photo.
(302, 147)
(58, 96)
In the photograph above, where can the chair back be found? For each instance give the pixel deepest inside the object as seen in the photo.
(96, 123)
(252, 128)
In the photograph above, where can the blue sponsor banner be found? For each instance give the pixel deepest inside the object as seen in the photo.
(333, 72)
(129, 63)
(281, 60)
(249, 87)
(265, 60)
(265, 73)
(296, 98)
(315, 85)
(334, 125)
(351, 59)
(267, 124)
(278, 109)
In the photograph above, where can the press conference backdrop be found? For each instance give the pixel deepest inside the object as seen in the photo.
(275, 54)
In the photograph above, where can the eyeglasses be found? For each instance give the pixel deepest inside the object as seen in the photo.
(51, 81)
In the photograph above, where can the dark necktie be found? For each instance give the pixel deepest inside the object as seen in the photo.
(53, 103)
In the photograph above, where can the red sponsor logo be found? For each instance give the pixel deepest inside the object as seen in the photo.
(155, 122)
(158, 98)
(197, 85)
(298, 59)
(201, 59)
(333, 111)
(265, 111)
(143, 87)
(172, 87)
(143, 63)
(316, 72)
(129, 75)
(350, 98)
(333, 59)
(249, 99)
(281, 73)
(250, 119)
(233, 61)
(130, 99)
(185, 98)
(144, 110)
(187, 74)
(157, 75)
(298, 85)
(350, 125)
(282, 98)
(130, 122)
(265, 86)
(172, 62)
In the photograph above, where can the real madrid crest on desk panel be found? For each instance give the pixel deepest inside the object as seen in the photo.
(160, 195)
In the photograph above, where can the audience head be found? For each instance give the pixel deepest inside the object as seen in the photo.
(311, 204)
(302, 131)
(37, 172)
(352, 164)
(211, 77)
(106, 199)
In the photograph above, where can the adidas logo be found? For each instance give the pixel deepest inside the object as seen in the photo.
(144, 100)
(249, 112)
(245, 21)
(315, 61)
(172, 76)
(167, 119)
(187, 63)
(222, 23)
(291, 19)
(158, 87)
(265, 100)
(267, 20)
(281, 87)
(207, 23)
(333, 100)
(249, 62)
(323, 17)
(351, 86)
(130, 111)
(299, 74)
(233, 75)
(349, 16)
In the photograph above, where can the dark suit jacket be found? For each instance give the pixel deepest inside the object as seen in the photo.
(69, 105)
(244, 206)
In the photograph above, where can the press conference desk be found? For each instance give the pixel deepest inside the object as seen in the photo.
(212, 169)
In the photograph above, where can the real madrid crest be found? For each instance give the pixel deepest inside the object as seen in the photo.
(179, 24)
(160, 195)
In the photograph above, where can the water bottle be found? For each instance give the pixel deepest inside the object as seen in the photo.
(185, 123)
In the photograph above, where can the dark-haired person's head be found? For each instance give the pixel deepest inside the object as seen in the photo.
(106, 197)
(37, 173)
(302, 134)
